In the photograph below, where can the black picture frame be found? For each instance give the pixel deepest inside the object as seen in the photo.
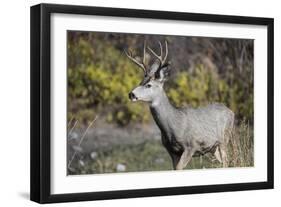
(41, 99)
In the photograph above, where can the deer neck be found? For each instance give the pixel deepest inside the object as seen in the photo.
(164, 113)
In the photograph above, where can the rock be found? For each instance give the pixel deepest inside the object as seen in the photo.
(94, 155)
(73, 135)
(77, 148)
(120, 167)
(81, 162)
(159, 161)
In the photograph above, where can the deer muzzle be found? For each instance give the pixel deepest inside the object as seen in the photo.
(132, 96)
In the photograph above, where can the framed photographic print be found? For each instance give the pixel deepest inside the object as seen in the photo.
(132, 103)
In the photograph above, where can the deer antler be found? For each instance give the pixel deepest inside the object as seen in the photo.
(140, 64)
(149, 72)
(159, 57)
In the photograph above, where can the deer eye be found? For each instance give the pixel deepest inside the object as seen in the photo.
(148, 86)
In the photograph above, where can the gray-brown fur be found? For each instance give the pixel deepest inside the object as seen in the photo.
(186, 132)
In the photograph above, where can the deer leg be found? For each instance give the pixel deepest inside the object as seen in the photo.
(218, 154)
(223, 154)
(185, 158)
(175, 156)
(175, 159)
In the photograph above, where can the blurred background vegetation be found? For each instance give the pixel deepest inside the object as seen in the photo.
(204, 70)
(100, 76)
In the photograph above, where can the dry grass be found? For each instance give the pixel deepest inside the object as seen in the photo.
(152, 156)
(241, 146)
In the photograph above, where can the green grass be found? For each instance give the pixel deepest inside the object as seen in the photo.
(148, 156)
(152, 156)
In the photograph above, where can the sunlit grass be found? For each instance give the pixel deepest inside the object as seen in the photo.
(152, 156)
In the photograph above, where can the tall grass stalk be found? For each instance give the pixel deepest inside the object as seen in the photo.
(241, 146)
(81, 140)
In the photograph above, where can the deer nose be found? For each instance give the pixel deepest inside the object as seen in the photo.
(132, 96)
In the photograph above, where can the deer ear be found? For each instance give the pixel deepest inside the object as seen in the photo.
(162, 73)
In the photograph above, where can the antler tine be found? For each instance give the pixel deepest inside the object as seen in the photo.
(159, 57)
(141, 65)
(144, 52)
(161, 50)
(166, 51)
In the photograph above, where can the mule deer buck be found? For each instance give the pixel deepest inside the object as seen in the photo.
(186, 132)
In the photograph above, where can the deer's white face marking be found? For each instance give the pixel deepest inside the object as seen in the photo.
(147, 92)
(151, 87)
(176, 124)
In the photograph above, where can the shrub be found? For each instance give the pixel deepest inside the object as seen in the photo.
(100, 78)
